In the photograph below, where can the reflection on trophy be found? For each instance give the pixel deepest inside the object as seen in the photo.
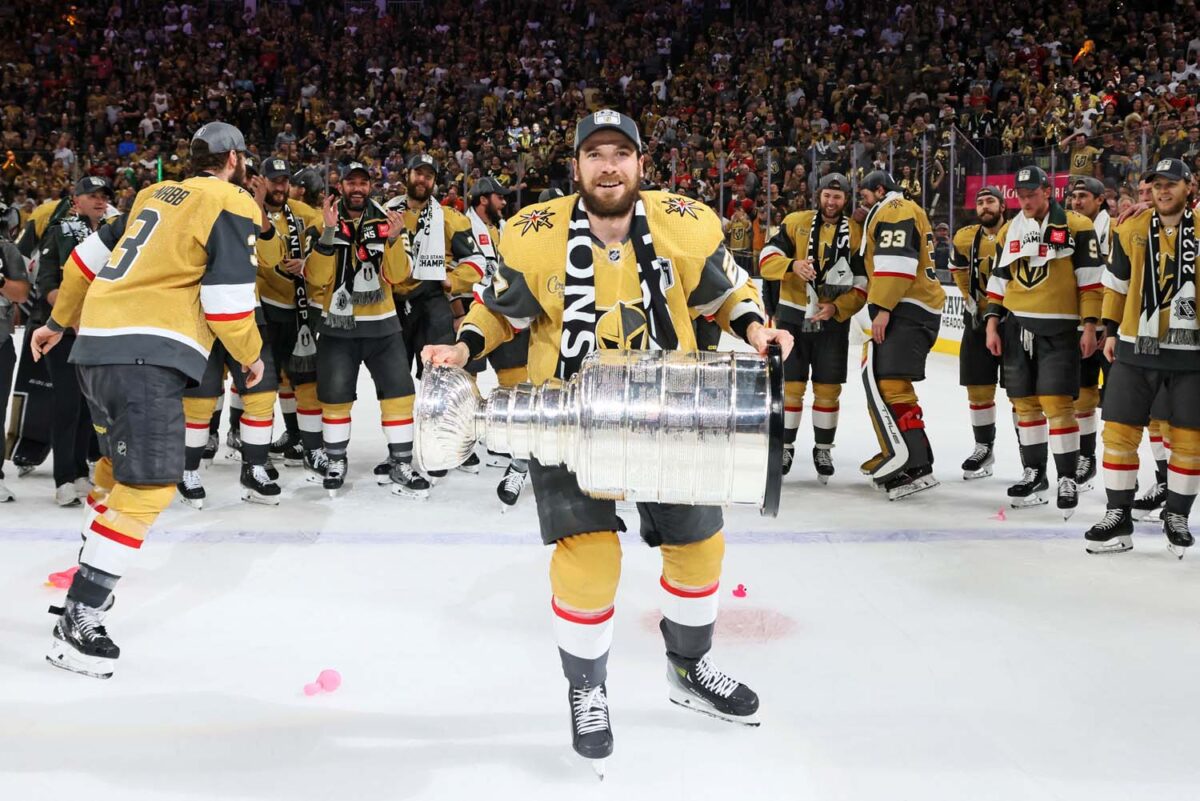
(643, 426)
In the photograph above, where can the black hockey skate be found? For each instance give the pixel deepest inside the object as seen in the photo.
(383, 473)
(1085, 473)
(80, 643)
(979, 463)
(233, 444)
(909, 482)
(471, 465)
(703, 688)
(258, 486)
(314, 465)
(1113, 534)
(496, 459)
(272, 470)
(509, 488)
(1149, 506)
(407, 482)
(1029, 490)
(335, 475)
(823, 462)
(1068, 496)
(591, 730)
(210, 450)
(435, 476)
(789, 455)
(288, 447)
(1179, 539)
(191, 489)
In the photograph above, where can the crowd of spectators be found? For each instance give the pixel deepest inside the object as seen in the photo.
(740, 101)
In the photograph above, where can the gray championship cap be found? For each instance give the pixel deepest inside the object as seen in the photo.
(219, 137)
(419, 161)
(354, 166)
(1032, 177)
(607, 119)
(990, 190)
(488, 186)
(1088, 184)
(276, 168)
(879, 179)
(549, 194)
(1171, 169)
(92, 183)
(834, 180)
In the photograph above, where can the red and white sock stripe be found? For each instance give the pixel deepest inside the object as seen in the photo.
(1183, 480)
(335, 429)
(585, 635)
(1087, 422)
(105, 548)
(196, 436)
(256, 431)
(825, 416)
(983, 414)
(1119, 476)
(1158, 449)
(309, 420)
(1032, 432)
(689, 607)
(287, 402)
(398, 432)
(791, 416)
(1064, 440)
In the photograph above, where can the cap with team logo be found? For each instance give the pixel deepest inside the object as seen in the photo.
(92, 183)
(1171, 169)
(879, 179)
(354, 166)
(549, 194)
(1032, 177)
(990, 191)
(607, 119)
(488, 186)
(834, 180)
(276, 168)
(1088, 184)
(219, 137)
(419, 161)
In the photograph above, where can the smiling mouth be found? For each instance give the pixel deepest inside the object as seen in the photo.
(612, 185)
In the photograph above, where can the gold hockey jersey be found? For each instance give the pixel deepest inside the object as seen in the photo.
(973, 283)
(529, 288)
(792, 242)
(465, 264)
(1056, 295)
(276, 289)
(898, 251)
(180, 275)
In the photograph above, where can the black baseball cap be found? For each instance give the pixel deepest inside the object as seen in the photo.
(1032, 177)
(607, 119)
(879, 179)
(354, 166)
(218, 137)
(1171, 169)
(990, 190)
(91, 184)
(834, 180)
(488, 186)
(549, 194)
(1088, 184)
(422, 160)
(276, 168)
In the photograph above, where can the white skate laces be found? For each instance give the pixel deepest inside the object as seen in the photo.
(714, 680)
(590, 706)
(191, 479)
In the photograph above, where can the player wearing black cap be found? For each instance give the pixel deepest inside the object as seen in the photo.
(177, 280)
(971, 262)
(1153, 341)
(71, 430)
(816, 258)
(1046, 281)
(905, 302)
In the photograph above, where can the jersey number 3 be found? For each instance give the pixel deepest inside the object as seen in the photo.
(127, 250)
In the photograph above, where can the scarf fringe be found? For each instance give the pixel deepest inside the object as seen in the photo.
(361, 297)
(344, 322)
(1183, 336)
(1146, 345)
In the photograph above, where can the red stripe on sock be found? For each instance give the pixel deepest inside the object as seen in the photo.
(307, 411)
(981, 406)
(115, 536)
(1061, 431)
(825, 408)
(1085, 414)
(197, 426)
(286, 395)
(1115, 466)
(704, 593)
(582, 619)
(793, 408)
(335, 420)
(1183, 470)
(1031, 423)
(251, 421)
(405, 422)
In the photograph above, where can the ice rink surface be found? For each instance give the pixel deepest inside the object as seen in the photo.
(921, 649)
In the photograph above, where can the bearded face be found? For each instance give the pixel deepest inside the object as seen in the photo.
(355, 189)
(418, 185)
(608, 173)
(277, 192)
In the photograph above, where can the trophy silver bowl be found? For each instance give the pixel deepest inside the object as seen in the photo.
(680, 427)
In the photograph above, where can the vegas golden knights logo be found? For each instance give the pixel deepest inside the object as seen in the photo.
(1029, 276)
(623, 327)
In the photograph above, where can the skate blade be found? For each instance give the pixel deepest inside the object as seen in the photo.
(383, 481)
(469, 469)
(333, 493)
(823, 479)
(920, 485)
(1118, 544)
(1086, 486)
(233, 456)
(1149, 515)
(314, 478)
(971, 475)
(498, 463)
(598, 766)
(250, 496)
(1177, 550)
(64, 656)
(689, 701)
(405, 492)
(293, 463)
(1037, 499)
(25, 470)
(195, 503)
(7, 498)
(1067, 512)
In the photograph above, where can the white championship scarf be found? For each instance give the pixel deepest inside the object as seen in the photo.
(1176, 284)
(483, 236)
(1026, 239)
(427, 246)
(1103, 225)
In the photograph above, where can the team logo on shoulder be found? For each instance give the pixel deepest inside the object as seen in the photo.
(682, 206)
(535, 220)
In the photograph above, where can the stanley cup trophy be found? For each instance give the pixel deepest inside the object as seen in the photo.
(645, 426)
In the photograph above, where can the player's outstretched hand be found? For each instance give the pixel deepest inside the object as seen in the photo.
(329, 212)
(254, 373)
(760, 337)
(455, 355)
(43, 341)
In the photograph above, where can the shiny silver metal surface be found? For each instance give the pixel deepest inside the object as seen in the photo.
(663, 426)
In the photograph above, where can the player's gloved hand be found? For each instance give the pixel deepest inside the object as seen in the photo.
(759, 337)
(456, 355)
(43, 341)
(254, 373)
